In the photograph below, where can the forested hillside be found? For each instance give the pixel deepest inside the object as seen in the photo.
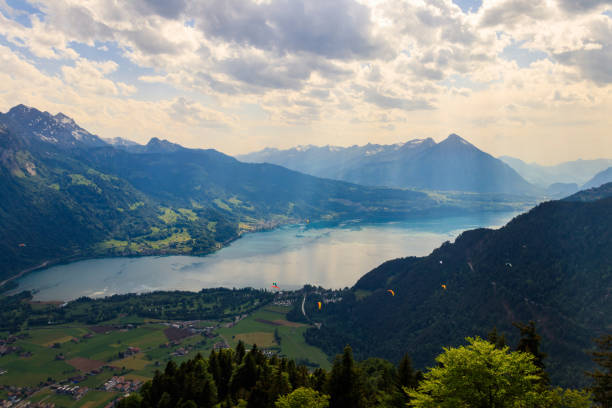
(552, 265)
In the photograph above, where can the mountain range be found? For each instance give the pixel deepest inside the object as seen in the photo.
(550, 265)
(576, 173)
(68, 194)
(453, 164)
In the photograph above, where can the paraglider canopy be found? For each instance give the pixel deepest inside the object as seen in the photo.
(319, 305)
(443, 286)
(391, 292)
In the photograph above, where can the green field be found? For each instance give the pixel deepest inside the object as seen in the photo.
(53, 351)
(291, 334)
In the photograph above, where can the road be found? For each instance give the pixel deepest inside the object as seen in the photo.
(303, 310)
(20, 274)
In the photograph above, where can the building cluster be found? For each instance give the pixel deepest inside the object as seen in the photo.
(7, 347)
(121, 384)
(74, 391)
(130, 351)
(220, 346)
(14, 395)
(23, 404)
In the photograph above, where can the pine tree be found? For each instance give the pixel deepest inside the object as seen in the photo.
(602, 376)
(240, 352)
(530, 343)
(499, 341)
(345, 386)
(406, 375)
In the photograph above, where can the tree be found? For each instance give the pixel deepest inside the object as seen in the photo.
(560, 398)
(345, 386)
(496, 339)
(240, 352)
(407, 376)
(303, 398)
(479, 375)
(602, 376)
(530, 343)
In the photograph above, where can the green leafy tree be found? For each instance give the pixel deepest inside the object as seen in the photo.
(479, 375)
(560, 398)
(303, 398)
(602, 376)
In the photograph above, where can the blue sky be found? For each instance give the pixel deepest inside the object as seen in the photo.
(512, 76)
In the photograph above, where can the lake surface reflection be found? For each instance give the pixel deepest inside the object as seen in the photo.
(332, 257)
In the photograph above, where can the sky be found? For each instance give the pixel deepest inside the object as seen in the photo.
(526, 78)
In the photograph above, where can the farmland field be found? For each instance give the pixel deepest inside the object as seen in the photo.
(88, 356)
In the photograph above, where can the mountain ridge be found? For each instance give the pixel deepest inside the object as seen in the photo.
(454, 164)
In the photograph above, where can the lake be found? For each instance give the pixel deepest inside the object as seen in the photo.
(332, 257)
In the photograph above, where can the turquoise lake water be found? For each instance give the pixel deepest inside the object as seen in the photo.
(332, 257)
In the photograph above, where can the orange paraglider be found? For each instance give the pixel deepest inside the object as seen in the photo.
(319, 305)
(391, 292)
(443, 286)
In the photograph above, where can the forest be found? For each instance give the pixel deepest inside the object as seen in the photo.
(482, 373)
(18, 313)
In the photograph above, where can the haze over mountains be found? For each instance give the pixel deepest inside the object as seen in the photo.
(599, 179)
(453, 164)
(69, 194)
(576, 172)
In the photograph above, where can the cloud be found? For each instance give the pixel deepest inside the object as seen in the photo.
(511, 12)
(583, 5)
(341, 29)
(320, 71)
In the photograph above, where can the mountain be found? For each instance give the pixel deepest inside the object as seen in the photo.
(560, 190)
(67, 194)
(599, 179)
(452, 165)
(550, 265)
(41, 128)
(577, 172)
(120, 142)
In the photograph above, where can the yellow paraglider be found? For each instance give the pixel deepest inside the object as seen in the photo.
(391, 292)
(319, 305)
(444, 286)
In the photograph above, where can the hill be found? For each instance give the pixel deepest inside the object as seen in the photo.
(68, 194)
(599, 179)
(550, 265)
(453, 164)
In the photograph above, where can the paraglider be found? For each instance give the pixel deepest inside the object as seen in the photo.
(319, 305)
(275, 285)
(441, 262)
(391, 292)
(443, 286)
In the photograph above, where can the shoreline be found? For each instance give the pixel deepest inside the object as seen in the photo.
(315, 224)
